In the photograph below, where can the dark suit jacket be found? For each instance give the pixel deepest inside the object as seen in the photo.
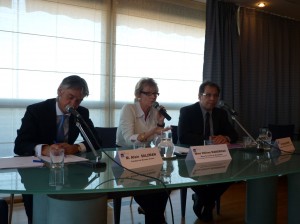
(39, 127)
(191, 125)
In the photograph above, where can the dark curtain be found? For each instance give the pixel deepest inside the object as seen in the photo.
(258, 68)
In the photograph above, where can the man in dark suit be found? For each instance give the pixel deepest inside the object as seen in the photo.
(202, 121)
(39, 131)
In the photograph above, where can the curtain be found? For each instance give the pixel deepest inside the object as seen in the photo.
(110, 43)
(257, 67)
(270, 68)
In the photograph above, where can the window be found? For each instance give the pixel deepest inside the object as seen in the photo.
(43, 41)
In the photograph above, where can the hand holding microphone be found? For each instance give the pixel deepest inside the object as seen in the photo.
(161, 110)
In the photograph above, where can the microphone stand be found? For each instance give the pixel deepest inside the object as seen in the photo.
(259, 142)
(96, 163)
(258, 145)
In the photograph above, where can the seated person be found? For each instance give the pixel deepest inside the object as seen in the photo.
(202, 121)
(140, 122)
(39, 128)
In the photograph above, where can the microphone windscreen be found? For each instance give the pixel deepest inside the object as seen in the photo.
(69, 108)
(155, 104)
(221, 103)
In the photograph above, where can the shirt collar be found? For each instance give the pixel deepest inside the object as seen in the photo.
(204, 111)
(58, 111)
(139, 111)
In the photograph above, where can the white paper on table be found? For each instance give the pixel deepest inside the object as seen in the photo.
(19, 162)
(67, 159)
(181, 150)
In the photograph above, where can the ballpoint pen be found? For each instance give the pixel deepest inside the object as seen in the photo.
(37, 161)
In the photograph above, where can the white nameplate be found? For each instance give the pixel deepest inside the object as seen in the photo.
(137, 158)
(208, 153)
(136, 178)
(285, 145)
(202, 169)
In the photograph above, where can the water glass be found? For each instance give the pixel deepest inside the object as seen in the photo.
(208, 142)
(56, 177)
(57, 155)
(166, 146)
(265, 138)
(247, 141)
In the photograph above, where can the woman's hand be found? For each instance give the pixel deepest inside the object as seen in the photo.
(159, 130)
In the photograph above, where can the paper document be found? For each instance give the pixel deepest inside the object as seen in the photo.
(68, 159)
(19, 162)
(181, 150)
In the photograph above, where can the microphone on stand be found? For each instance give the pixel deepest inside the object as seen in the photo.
(233, 113)
(94, 163)
(71, 110)
(161, 110)
(224, 105)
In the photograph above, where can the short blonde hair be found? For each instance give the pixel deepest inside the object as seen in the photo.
(142, 83)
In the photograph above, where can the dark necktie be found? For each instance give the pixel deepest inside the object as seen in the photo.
(207, 126)
(60, 137)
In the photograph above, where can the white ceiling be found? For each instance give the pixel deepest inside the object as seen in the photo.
(285, 8)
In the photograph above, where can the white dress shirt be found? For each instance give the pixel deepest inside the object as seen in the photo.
(132, 123)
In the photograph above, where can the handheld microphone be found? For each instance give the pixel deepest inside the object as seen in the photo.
(71, 110)
(161, 110)
(224, 105)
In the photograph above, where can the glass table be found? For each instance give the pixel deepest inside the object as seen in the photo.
(80, 182)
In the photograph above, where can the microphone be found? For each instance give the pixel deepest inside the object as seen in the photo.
(71, 110)
(161, 110)
(92, 163)
(224, 105)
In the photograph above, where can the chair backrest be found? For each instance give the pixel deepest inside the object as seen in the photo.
(174, 134)
(107, 136)
(282, 131)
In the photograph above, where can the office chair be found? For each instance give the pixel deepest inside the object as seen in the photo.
(174, 134)
(282, 131)
(107, 136)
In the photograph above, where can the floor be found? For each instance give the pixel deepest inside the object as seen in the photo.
(232, 208)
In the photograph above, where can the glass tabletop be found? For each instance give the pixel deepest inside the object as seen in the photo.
(246, 164)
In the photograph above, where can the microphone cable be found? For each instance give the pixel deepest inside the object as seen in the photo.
(144, 175)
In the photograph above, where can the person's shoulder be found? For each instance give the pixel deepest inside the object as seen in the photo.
(191, 106)
(82, 109)
(128, 106)
(42, 104)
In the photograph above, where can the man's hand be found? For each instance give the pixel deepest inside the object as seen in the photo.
(220, 139)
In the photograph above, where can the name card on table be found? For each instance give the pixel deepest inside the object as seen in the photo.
(285, 145)
(202, 169)
(137, 158)
(127, 178)
(208, 153)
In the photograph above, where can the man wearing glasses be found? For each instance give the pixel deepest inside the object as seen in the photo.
(204, 121)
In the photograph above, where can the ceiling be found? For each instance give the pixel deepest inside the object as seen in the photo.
(285, 8)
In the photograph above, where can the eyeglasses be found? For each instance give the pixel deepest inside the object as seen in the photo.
(209, 95)
(150, 94)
